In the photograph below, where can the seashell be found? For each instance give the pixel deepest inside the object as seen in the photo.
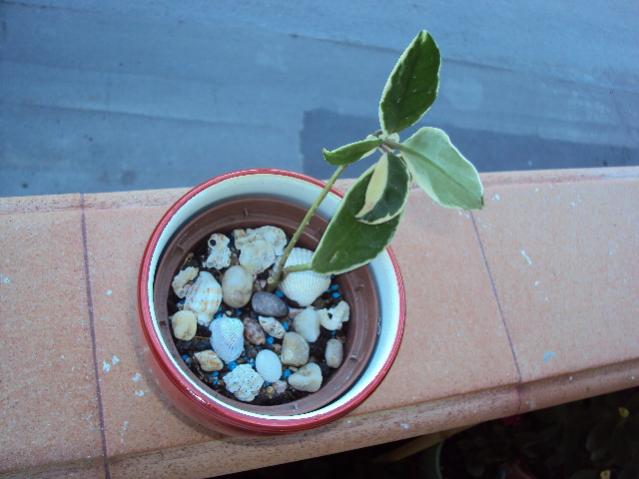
(268, 365)
(303, 287)
(237, 286)
(307, 378)
(209, 360)
(307, 323)
(243, 382)
(184, 325)
(182, 281)
(227, 338)
(334, 353)
(219, 252)
(204, 298)
(267, 304)
(272, 326)
(336, 316)
(253, 332)
(257, 256)
(295, 349)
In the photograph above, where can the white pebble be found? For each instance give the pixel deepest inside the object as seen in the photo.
(307, 323)
(334, 353)
(243, 382)
(184, 325)
(295, 349)
(209, 360)
(272, 326)
(237, 286)
(307, 378)
(268, 365)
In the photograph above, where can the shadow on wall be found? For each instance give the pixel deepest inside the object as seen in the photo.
(489, 151)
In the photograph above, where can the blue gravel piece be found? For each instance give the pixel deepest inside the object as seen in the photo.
(279, 294)
(285, 325)
(270, 339)
(335, 287)
(286, 373)
(336, 295)
(232, 365)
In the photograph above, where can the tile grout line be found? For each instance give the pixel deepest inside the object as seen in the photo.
(89, 292)
(501, 311)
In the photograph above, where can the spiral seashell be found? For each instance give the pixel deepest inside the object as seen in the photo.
(204, 298)
(227, 338)
(219, 252)
(303, 287)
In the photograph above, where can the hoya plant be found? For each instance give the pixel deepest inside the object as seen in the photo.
(369, 214)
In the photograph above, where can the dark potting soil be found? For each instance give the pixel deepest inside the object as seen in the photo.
(201, 342)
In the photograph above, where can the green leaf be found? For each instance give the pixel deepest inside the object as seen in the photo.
(347, 154)
(387, 191)
(441, 170)
(348, 243)
(412, 86)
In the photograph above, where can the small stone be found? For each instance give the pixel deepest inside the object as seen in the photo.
(209, 360)
(295, 349)
(279, 387)
(268, 365)
(268, 304)
(307, 323)
(336, 316)
(272, 326)
(237, 286)
(334, 353)
(182, 281)
(184, 325)
(308, 378)
(253, 332)
(243, 382)
(277, 348)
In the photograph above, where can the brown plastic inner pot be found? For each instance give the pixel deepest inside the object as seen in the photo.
(357, 287)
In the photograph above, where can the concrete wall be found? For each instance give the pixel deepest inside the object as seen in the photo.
(101, 96)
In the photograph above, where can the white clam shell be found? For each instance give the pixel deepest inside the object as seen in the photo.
(307, 378)
(243, 382)
(303, 287)
(307, 323)
(184, 325)
(204, 298)
(272, 326)
(295, 350)
(182, 281)
(268, 365)
(237, 286)
(227, 338)
(209, 360)
(219, 252)
(336, 316)
(334, 353)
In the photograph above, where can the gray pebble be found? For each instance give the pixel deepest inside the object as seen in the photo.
(268, 304)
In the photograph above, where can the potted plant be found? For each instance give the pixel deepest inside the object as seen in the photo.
(271, 304)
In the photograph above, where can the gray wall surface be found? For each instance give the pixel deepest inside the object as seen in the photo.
(110, 95)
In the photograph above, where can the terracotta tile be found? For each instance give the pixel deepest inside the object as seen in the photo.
(26, 204)
(124, 199)
(455, 341)
(564, 260)
(48, 404)
(230, 455)
(81, 470)
(136, 417)
(579, 385)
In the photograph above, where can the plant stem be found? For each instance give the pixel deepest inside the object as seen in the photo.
(275, 279)
(297, 267)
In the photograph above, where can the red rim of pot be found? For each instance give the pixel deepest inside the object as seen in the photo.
(226, 417)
